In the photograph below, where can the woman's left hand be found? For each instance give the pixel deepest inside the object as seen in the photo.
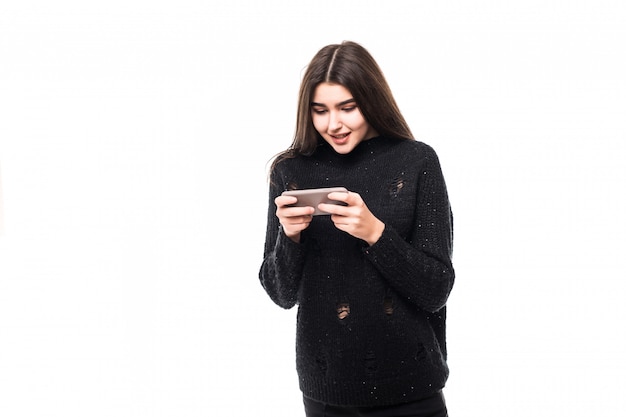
(354, 218)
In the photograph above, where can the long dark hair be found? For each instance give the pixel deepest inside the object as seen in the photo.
(350, 65)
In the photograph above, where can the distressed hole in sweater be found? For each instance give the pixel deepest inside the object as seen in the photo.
(291, 186)
(396, 186)
(343, 310)
(388, 305)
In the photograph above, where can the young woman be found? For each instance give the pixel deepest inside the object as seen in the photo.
(371, 278)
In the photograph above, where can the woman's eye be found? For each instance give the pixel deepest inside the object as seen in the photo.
(319, 111)
(349, 109)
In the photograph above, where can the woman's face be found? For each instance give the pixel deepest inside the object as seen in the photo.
(338, 119)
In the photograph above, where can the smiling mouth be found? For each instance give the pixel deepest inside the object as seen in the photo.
(342, 136)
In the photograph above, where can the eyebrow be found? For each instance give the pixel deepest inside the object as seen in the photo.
(343, 103)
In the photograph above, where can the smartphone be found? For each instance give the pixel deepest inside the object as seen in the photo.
(313, 196)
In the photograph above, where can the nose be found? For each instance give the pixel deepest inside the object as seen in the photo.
(334, 122)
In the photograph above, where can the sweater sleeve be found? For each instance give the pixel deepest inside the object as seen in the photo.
(283, 259)
(420, 268)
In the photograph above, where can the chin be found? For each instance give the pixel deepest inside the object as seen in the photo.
(343, 149)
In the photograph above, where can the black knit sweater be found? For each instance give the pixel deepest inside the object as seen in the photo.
(371, 319)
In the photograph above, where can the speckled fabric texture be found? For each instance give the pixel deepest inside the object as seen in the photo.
(371, 319)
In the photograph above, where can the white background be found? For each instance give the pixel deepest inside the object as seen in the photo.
(134, 142)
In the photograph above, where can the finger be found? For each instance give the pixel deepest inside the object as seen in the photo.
(285, 211)
(342, 196)
(285, 200)
(334, 209)
(342, 220)
(301, 219)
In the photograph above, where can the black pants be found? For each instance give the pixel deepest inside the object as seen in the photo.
(434, 406)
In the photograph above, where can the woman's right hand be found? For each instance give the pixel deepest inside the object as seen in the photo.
(293, 219)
